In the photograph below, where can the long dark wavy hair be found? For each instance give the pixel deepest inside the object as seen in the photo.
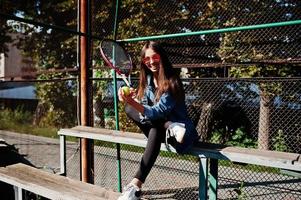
(168, 78)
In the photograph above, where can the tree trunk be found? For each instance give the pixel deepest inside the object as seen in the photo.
(204, 121)
(264, 120)
(98, 109)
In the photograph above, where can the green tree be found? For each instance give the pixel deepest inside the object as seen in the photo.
(49, 49)
(247, 47)
(57, 103)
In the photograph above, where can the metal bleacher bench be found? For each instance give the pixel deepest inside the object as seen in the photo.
(51, 186)
(209, 154)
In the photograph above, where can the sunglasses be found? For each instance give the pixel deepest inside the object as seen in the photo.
(154, 58)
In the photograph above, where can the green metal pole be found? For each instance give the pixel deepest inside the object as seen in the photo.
(119, 187)
(203, 178)
(212, 31)
(213, 179)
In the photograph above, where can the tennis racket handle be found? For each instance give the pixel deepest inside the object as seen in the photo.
(126, 81)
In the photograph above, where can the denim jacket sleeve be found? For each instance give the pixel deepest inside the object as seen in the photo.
(161, 109)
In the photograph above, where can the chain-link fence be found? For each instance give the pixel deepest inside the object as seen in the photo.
(224, 111)
(242, 87)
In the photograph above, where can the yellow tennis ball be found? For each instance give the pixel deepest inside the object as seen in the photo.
(126, 90)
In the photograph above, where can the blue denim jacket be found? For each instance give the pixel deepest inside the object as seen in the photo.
(167, 109)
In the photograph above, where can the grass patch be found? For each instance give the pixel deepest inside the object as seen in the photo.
(21, 121)
(32, 130)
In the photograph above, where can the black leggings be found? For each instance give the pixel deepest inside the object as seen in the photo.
(155, 132)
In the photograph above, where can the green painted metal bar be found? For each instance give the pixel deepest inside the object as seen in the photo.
(119, 185)
(213, 179)
(203, 178)
(291, 173)
(212, 31)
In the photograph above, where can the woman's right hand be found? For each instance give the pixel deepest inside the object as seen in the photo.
(120, 94)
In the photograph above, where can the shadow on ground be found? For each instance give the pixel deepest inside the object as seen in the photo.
(190, 193)
(9, 155)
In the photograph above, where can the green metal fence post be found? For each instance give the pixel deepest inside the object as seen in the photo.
(213, 179)
(203, 177)
(116, 102)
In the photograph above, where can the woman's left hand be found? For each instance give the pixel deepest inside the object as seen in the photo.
(131, 99)
(128, 98)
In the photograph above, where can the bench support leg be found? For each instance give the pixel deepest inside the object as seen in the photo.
(63, 155)
(212, 179)
(18, 193)
(203, 178)
(119, 168)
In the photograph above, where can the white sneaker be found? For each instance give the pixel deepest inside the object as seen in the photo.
(131, 192)
(176, 130)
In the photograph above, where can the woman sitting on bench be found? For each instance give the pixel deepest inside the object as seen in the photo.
(158, 108)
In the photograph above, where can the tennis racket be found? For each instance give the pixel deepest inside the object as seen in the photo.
(117, 58)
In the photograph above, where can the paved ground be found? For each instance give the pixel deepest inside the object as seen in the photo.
(171, 178)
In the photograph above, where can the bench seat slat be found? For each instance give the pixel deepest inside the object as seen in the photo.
(252, 157)
(52, 186)
(283, 160)
(106, 135)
